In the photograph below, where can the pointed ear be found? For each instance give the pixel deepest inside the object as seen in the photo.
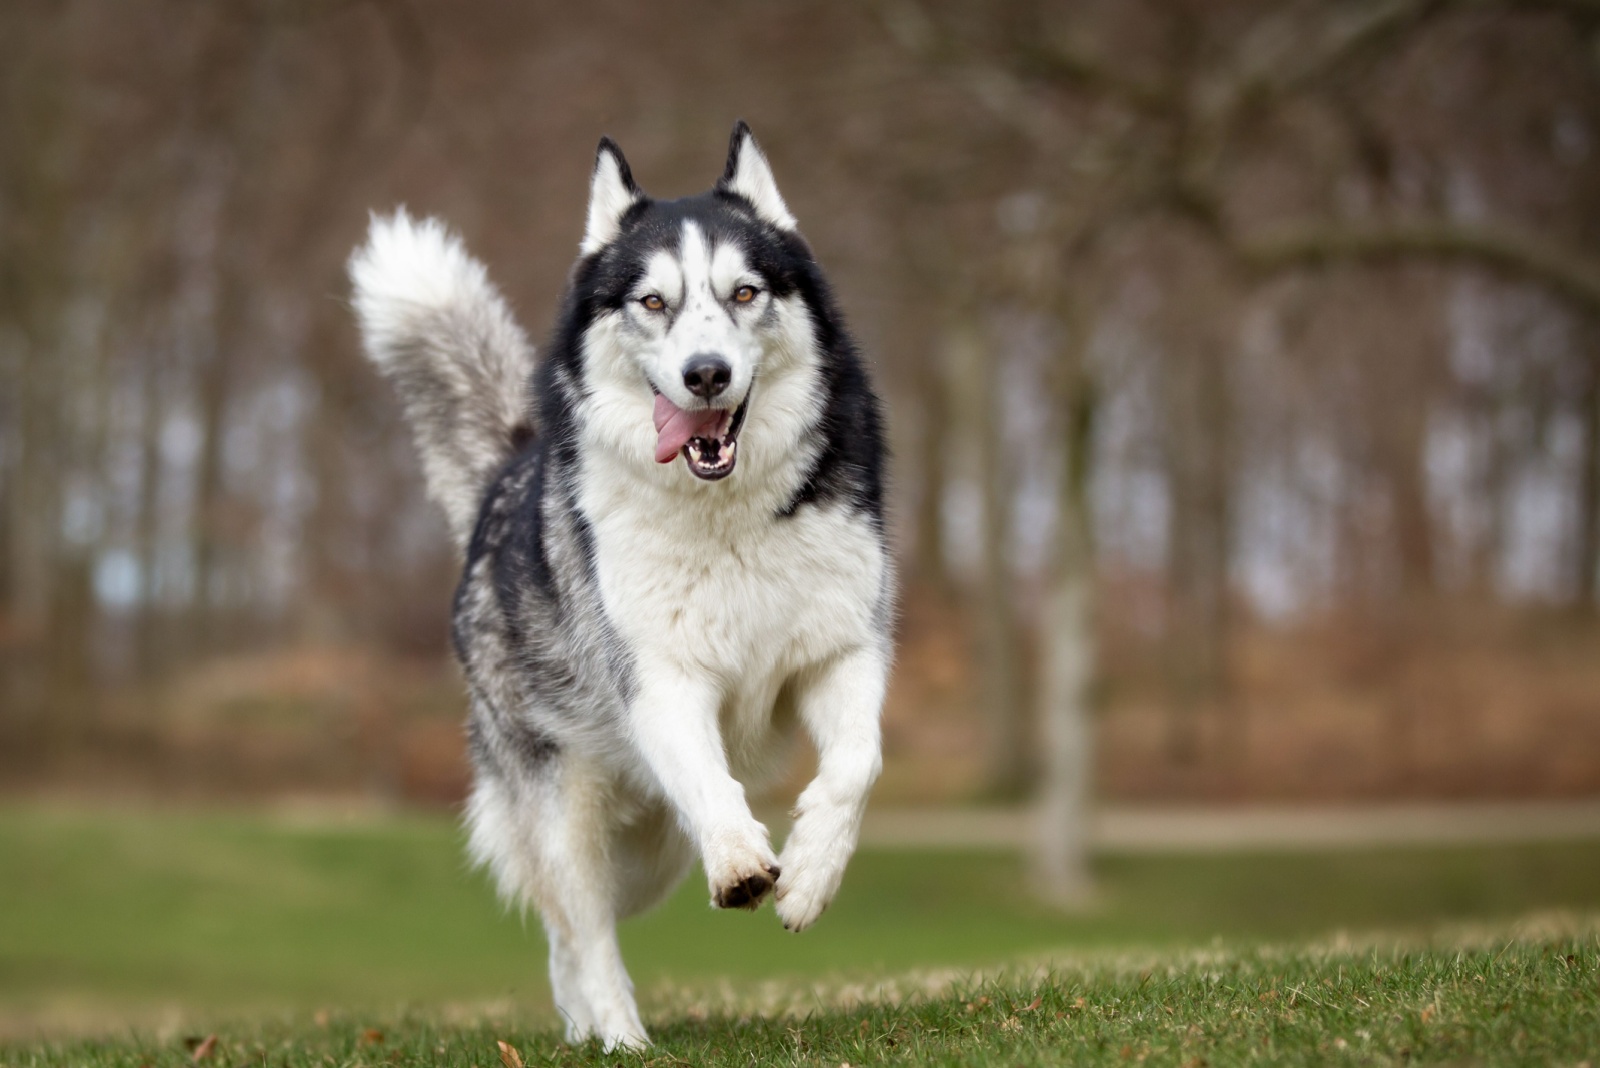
(749, 175)
(611, 194)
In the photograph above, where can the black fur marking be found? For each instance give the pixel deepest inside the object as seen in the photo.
(523, 614)
(741, 131)
(491, 736)
(850, 466)
(478, 747)
(532, 744)
(608, 146)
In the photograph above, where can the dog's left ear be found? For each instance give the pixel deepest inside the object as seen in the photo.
(749, 176)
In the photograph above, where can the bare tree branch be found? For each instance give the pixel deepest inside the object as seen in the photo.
(1361, 35)
(1513, 253)
(1386, 24)
(411, 45)
(1073, 68)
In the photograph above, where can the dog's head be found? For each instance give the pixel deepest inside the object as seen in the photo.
(690, 302)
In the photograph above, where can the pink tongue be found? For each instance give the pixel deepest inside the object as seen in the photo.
(677, 426)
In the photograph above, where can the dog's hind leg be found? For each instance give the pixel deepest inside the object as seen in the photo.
(550, 844)
(650, 855)
(840, 703)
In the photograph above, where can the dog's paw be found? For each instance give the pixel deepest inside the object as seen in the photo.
(741, 870)
(813, 864)
(633, 1040)
(804, 891)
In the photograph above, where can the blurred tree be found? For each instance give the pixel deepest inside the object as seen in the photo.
(1167, 140)
(1316, 286)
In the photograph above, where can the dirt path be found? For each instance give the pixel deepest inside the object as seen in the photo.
(1158, 830)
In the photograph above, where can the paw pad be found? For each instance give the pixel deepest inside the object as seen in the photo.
(747, 892)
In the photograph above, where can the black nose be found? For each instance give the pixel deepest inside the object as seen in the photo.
(707, 375)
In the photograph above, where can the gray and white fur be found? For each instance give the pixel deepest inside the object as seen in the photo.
(675, 556)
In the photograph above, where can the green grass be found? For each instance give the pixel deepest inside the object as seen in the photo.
(1529, 1001)
(116, 917)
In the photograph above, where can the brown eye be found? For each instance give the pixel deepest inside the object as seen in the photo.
(744, 294)
(653, 302)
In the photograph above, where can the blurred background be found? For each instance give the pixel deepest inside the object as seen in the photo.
(1243, 365)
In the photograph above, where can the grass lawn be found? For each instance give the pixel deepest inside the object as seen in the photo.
(244, 919)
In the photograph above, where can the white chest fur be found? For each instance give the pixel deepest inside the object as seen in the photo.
(727, 590)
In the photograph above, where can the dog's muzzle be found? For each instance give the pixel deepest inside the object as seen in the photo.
(707, 438)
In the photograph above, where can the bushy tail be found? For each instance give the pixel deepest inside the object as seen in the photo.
(437, 328)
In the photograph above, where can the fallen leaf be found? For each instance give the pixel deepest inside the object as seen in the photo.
(1427, 1013)
(1034, 1004)
(509, 1055)
(372, 1036)
(205, 1049)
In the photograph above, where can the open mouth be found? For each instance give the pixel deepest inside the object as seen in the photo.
(707, 438)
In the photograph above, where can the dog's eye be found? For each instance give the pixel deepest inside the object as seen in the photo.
(653, 302)
(744, 294)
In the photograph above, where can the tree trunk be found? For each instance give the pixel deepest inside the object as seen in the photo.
(928, 565)
(1061, 859)
(1200, 464)
(1586, 499)
(36, 279)
(1010, 768)
(1409, 496)
(150, 646)
(211, 399)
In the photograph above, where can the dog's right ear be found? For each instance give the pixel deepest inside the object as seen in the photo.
(611, 193)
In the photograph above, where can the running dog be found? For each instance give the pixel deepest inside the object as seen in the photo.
(673, 526)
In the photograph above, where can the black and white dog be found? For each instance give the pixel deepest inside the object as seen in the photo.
(641, 635)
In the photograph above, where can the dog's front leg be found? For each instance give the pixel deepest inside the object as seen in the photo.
(675, 730)
(840, 704)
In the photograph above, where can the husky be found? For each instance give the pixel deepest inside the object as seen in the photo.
(675, 557)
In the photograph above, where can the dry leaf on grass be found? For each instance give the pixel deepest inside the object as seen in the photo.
(204, 1049)
(509, 1055)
